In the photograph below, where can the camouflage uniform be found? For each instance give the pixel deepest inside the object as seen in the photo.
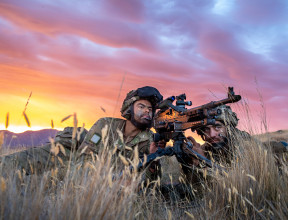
(108, 133)
(194, 176)
(94, 142)
(46, 157)
(39, 159)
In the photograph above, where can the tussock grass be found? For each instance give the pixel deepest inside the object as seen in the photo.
(86, 192)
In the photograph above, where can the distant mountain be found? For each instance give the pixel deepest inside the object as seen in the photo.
(27, 138)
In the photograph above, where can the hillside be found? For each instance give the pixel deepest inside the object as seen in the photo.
(280, 135)
(27, 138)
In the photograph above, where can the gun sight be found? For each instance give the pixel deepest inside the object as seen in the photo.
(166, 103)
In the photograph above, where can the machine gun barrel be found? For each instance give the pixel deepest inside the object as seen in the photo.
(172, 118)
(232, 98)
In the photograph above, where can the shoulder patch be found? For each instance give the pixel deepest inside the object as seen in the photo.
(95, 138)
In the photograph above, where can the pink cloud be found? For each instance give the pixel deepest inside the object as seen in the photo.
(82, 53)
(54, 20)
(131, 10)
(9, 44)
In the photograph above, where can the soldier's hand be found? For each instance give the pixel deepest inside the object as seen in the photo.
(154, 146)
(161, 144)
(196, 147)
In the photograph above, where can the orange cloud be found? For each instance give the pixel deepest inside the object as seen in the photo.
(73, 56)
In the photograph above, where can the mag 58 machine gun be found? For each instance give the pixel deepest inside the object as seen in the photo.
(171, 121)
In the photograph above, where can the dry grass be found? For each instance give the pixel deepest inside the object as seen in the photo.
(86, 192)
(280, 135)
(254, 188)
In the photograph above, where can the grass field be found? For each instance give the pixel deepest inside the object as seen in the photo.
(252, 188)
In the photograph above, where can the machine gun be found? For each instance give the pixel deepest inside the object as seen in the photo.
(171, 121)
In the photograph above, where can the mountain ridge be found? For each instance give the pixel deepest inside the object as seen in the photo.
(27, 138)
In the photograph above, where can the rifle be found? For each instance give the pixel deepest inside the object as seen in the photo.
(171, 121)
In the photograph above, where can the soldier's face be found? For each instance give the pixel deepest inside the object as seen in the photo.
(214, 134)
(143, 112)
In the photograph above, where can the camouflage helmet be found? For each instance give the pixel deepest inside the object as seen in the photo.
(226, 116)
(147, 93)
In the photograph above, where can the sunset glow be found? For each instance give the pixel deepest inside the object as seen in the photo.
(74, 55)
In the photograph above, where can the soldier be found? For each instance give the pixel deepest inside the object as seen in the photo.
(221, 138)
(138, 109)
(220, 144)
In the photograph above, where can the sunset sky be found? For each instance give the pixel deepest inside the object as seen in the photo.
(74, 55)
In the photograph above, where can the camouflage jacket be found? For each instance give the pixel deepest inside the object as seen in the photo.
(225, 155)
(107, 133)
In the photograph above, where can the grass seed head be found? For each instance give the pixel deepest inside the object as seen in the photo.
(1, 139)
(27, 102)
(103, 109)
(60, 160)
(251, 177)
(190, 215)
(251, 192)
(110, 180)
(123, 159)
(145, 159)
(234, 190)
(54, 149)
(83, 150)
(3, 184)
(62, 149)
(7, 121)
(52, 124)
(120, 134)
(210, 204)
(66, 118)
(105, 136)
(229, 195)
(26, 119)
(169, 214)
(80, 132)
(19, 175)
(136, 155)
(75, 123)
(92, 156)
